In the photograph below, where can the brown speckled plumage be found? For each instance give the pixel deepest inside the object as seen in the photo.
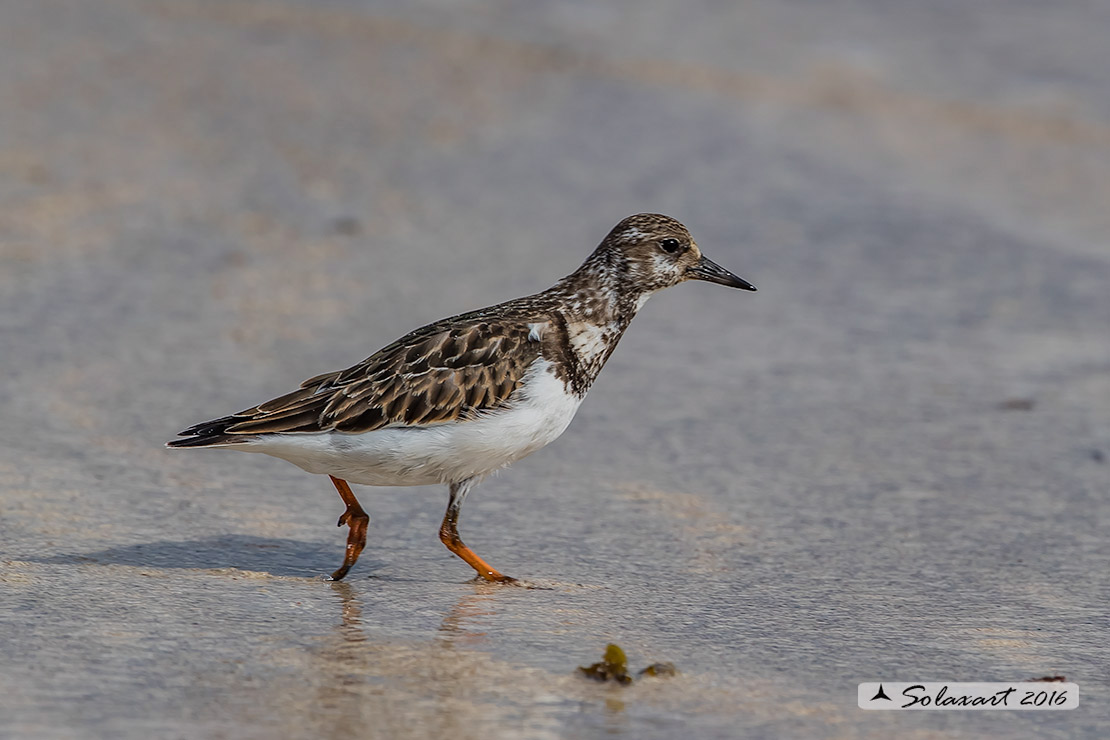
(473, 362)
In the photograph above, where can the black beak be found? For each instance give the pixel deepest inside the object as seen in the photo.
(710, 271)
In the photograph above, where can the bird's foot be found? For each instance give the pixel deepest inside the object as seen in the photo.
(507, 581)
(356, 539)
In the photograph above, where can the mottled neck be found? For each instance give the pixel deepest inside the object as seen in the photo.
(600, 292)
(596, 303)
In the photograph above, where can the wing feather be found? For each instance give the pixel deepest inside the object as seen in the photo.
(445, 371)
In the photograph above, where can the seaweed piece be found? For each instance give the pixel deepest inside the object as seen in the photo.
(613, 667)
(660, 670)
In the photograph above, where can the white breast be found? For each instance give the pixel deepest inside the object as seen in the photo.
(537, 413)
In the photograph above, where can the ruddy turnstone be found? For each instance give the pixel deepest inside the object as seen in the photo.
(458, 399)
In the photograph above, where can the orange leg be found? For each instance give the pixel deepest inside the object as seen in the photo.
(357, 520)
(449, 535)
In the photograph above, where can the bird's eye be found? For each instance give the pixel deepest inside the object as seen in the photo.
(670, 246)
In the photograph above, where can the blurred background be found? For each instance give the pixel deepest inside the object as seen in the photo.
(890, 463)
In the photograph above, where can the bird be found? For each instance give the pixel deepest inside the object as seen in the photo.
(453, 401)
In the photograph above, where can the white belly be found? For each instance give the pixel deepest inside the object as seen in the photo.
(537, 414)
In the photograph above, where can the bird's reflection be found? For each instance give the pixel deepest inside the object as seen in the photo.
(347, 663)
(352, 659)
(350, 624)
(463, 624)
(390, 682)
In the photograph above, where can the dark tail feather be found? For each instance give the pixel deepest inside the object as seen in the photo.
(208, 428)
(209, 434)
(215, 440)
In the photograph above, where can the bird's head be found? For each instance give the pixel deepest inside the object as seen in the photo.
(655, 252)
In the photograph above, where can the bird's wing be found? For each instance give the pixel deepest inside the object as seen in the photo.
(440, 373)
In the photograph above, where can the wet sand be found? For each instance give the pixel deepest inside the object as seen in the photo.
(890, 463)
